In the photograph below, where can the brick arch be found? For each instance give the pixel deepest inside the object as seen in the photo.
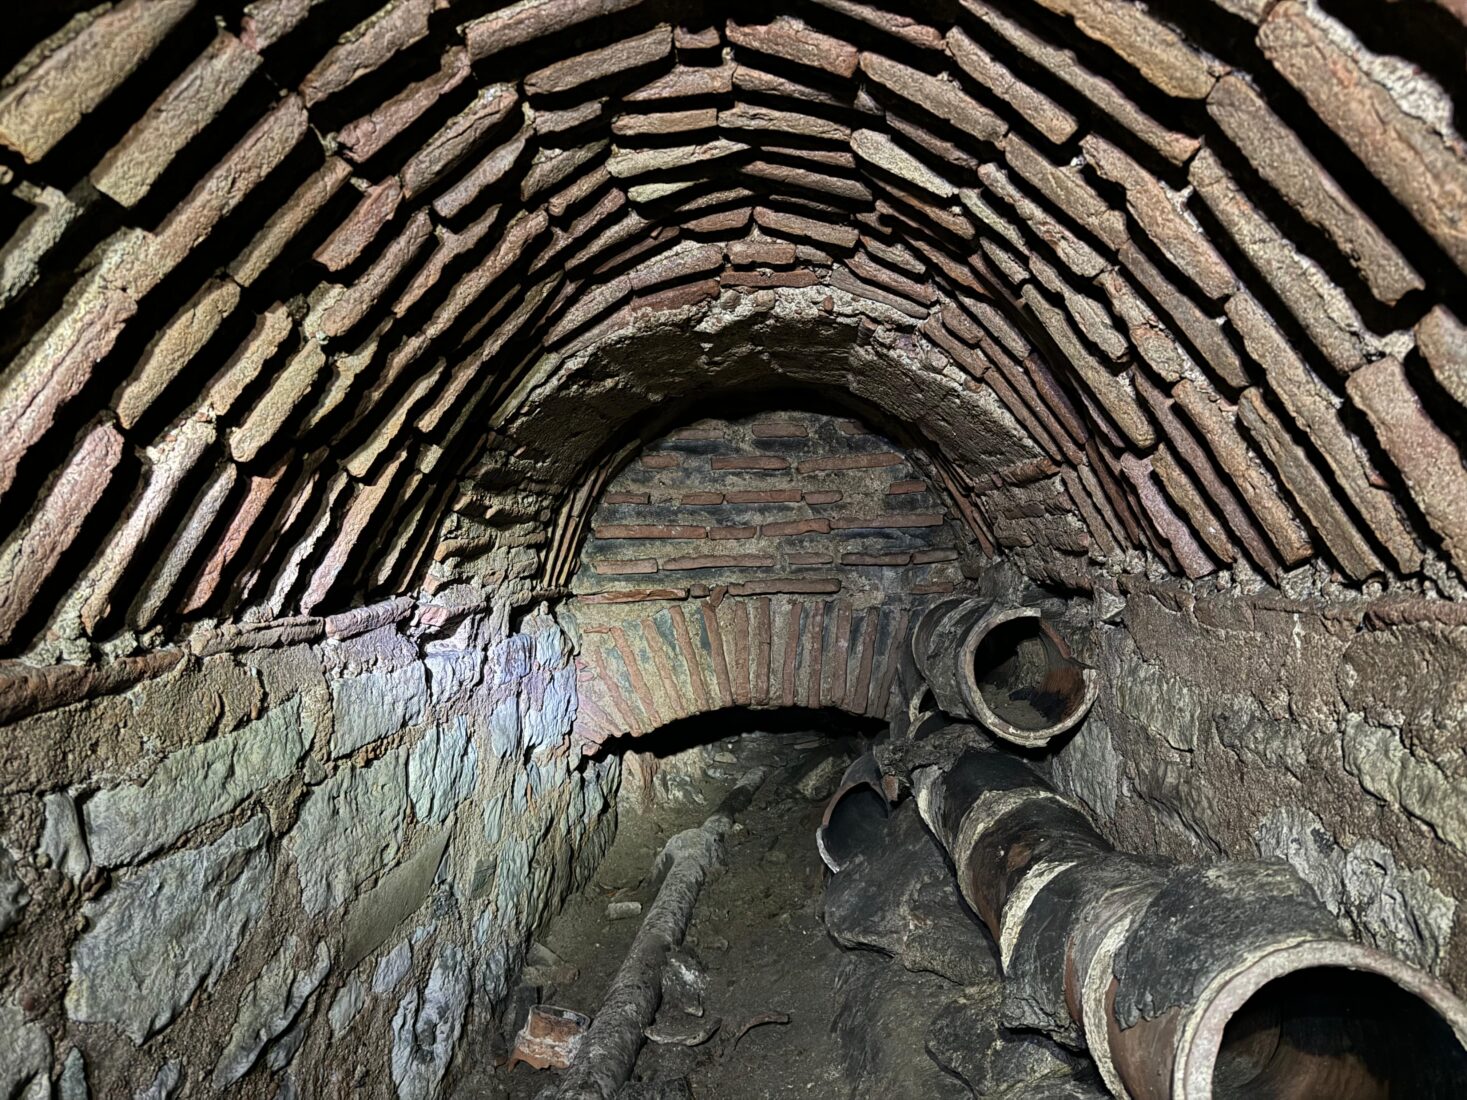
(740, 648)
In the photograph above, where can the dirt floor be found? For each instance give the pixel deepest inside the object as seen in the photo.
(757, 932)
(877, 984)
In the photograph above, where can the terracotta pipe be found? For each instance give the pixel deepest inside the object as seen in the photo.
(1005, 667)
(855, 812)
(1185, 982)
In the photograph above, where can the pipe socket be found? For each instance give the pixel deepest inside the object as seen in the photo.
(855, 815)
(1186, 983)
(1005, 667)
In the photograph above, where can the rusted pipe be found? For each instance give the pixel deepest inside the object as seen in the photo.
(1003, 666)
(1186, 983)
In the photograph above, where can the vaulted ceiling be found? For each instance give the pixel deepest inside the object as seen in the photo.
(306, 302)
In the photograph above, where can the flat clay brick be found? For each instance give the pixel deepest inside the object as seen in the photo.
(791, 39)
(890, 559)
(891, 520)
(749, 462)
(624, 567)
(873, 461)
(720, 561)
(764, 496)
(650, 531)
(796, 527)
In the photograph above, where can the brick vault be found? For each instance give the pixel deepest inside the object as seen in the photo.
(402, 403)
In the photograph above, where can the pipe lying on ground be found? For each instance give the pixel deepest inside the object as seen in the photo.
(1186, 983)
(608, 1052)
(856, 813)
(1004, 667)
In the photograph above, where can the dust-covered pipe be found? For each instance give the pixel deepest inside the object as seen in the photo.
(608, 1053)
(1004, 666)
(1185, 982)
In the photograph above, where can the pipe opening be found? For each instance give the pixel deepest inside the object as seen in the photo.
(1338, 1033)
(1025, 676)
(857, 820)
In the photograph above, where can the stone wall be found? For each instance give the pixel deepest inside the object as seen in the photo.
(298, 870)
(1325, 732)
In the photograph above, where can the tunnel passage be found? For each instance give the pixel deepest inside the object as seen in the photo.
(775, 560)
(324, 327)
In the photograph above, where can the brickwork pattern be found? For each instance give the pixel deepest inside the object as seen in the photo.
(793, 502)
(640, 672)
(265, 280)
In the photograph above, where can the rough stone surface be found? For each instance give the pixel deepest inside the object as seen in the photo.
(1387, 905)
(426, 1027)
(441, 771)
(162, 933)
(375, 705)
(350, 827)
(269, 1006)
(192, 786)
(1187, 356)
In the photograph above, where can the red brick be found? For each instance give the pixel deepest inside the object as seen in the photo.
(629, 53)
(697, 434)
(644, 697)
(359, 140)
(893, 519)
(1426, 456)
(650, 531)
(740, 670)
(764, 496)
(840, 236)
(861, 693)
(626, 498)
(372, 212)
(796, 527)
(720, 561)
(690, 656)
(732, 532)
(693, 499)
(624, 567)
(793, 614)
(809, 559)
(757, 279)
(56, 523)
(933, 588)
(77, 74)
(715, 647)
(824, 496)
(901, 488)
(676, 297)
(876, 559)
(927, 557)
(780, 429)
(761, 253)
(791, 40)
(516, 24)
(749, 462)
(634, 595)
(873, 461)
(814, 655)
(661, 462)
(793, 586)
